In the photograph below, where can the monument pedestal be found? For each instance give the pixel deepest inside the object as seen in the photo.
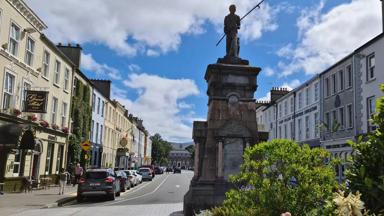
(220, 141)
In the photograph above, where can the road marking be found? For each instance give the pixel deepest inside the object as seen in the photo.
(140, 195)
(177, 186)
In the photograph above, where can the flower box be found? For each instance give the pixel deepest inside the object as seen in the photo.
(44, 123)
(65, 130)
(32, 117)
(55, 126)
(16, 112)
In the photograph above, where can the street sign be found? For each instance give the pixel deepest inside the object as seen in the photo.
(86, 145)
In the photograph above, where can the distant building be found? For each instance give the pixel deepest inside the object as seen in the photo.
(179, 157)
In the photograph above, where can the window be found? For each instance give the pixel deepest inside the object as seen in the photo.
(292, 104)
(328, 121)
(30, 49)
(316, 91)
(334, 122)
(92, 130)
(16, 164)
(101, 134)
(300, 126)
(341, 118)
(60, 157)
(316, 120)
(280, 110)
(334, 84)
(285, 131)
(349, 116)
(57, 72)
(371, 67)
(9, 86)
(46, 57)
(341, 80)
(14, 37)
(64, 115)
(102, 108)
(280, 135)
(93, 101)
(26, 86)
(97, 133)
(349, 76)
(307, 96)
(371, 108)
(327, 87)
(98, 105)
(49, 159)
(285, 107)
(307, 127)
(300, 100)
(66, 78)
(292, 130)
(54, 110)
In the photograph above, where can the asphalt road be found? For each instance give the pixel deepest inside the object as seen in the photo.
(161, 196)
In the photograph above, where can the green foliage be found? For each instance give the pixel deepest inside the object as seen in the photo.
(81, 113)
(366, 173)
(280, 176)
(160, 150)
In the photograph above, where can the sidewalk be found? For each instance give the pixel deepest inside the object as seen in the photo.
(12, 203)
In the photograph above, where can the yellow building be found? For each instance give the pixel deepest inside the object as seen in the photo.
(33, 145)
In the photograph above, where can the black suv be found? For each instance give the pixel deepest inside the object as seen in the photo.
(98, 182)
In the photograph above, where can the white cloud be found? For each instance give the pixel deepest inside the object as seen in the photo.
(161, 105)
(90, 64)
(145, 27)
(267, 97)
(326, 38)
(269, 71)
(292, 84)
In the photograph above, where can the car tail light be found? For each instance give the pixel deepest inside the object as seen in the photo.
(109, 179)
(81, 181)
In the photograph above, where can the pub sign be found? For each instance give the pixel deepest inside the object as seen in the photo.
(36, 101)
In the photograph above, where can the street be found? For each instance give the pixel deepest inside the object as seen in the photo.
(161, 196)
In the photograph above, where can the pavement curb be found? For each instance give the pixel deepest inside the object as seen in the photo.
(60, 202)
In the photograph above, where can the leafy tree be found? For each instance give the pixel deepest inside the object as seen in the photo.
(191, 149)
(160, 149)
(280, 176)
(366, 173)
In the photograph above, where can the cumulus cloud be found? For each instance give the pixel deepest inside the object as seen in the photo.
(145, 27)
(325, 38)
(90, 64)
(269, 71)
(161, 106)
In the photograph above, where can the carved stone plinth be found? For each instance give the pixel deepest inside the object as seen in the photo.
(220, 141)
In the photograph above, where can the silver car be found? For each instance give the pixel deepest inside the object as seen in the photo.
(145, 173)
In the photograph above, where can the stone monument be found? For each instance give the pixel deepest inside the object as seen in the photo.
(230, 127)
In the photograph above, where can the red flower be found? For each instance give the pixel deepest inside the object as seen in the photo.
(32, 117)
(16, 112)
(65, 130)
(44, 123)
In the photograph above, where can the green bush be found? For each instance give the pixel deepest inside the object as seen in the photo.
(281, 176)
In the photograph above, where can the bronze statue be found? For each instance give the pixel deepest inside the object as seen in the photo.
(231, 25)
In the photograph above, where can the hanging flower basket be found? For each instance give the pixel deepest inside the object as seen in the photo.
(16, 112)
(32, 117)
(44, 123)
(65, 130)
(55, 126)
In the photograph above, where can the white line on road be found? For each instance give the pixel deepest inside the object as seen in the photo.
(138, 196)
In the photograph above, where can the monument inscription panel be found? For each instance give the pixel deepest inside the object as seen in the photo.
(233, 156)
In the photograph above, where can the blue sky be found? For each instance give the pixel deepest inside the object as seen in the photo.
(156, 52)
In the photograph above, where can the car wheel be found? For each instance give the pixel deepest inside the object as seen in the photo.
(112, 196)
(118, 193)
(123, 188)
(79, 198)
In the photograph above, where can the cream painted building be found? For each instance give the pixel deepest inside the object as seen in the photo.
(30, 61)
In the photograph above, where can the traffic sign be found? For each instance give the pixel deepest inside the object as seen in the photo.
(86, 145)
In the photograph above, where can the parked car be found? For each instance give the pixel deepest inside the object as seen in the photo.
(138, 176)
(176, 170)
(146, 173)
(158, 170)
(169, 169)
(131, 177)
(98, 182)
(124, 181)
(151, 167)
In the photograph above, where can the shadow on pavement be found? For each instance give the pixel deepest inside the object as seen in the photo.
(178, 213)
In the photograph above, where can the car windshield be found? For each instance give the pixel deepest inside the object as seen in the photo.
(128, 173)
(96, 175)
(144, 170)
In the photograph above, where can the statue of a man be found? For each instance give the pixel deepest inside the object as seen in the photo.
(231, 25)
